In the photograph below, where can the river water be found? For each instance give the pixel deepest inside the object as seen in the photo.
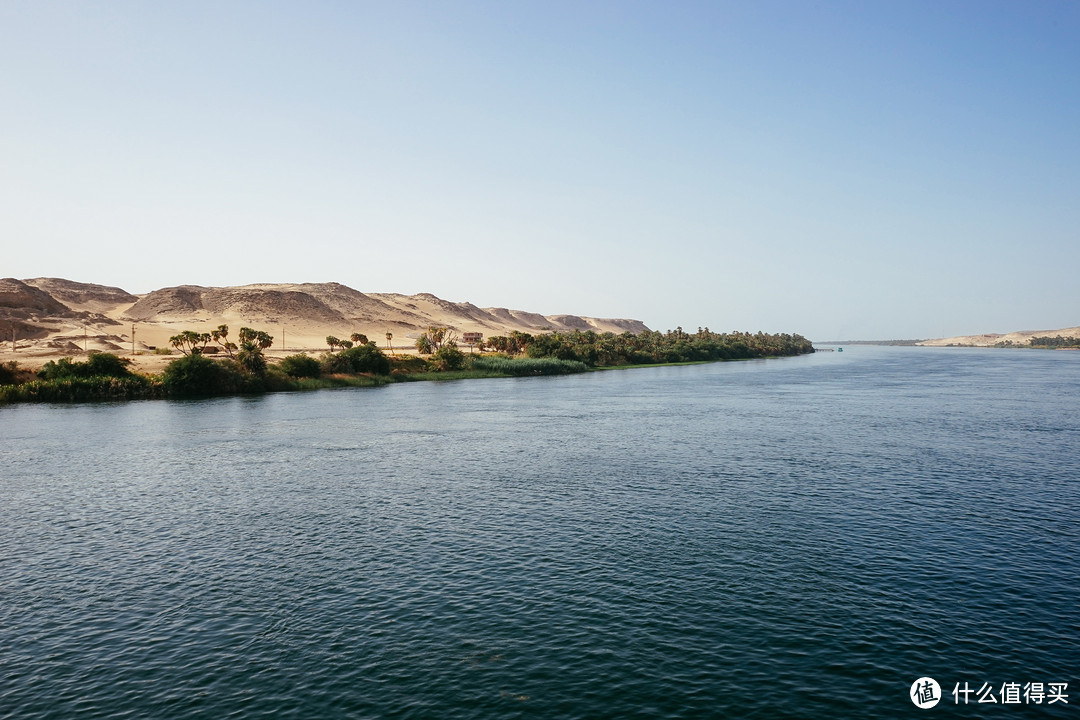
(798, 537)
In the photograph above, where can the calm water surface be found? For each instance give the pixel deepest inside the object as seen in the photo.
(787, 538)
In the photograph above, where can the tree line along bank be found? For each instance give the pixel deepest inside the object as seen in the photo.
(228, 368)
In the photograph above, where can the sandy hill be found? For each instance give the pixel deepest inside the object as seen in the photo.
(84, 296)
(40, 310)
(51, 316)
(1019, 337)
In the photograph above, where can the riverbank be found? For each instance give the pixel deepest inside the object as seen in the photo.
(228, 368)
(19, 384)
(105, 377)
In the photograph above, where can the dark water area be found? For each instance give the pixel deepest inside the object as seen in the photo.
(799, 537)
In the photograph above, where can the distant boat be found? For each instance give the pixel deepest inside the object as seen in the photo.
(839, 349)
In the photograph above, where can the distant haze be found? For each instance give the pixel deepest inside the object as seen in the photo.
(840, 170)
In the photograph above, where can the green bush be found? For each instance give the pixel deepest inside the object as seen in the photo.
(365, 359)
(332, 363)
(97, 365)
(300, 366)
(9, 373)
(447, 358)
(194, 375)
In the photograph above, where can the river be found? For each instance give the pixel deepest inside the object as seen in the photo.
(796, 537)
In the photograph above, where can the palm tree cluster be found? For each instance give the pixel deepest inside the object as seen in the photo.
(607, 349)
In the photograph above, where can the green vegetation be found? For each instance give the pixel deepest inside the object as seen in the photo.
(407, 365)
(364, 358)
(675, 346)
(498, 366)
(517, 367)
(9, 373)
(338, 381)
(101, 376)
(190, 342)
(1043, 343)
(333, 342)
(300, 366)
(250, 357)
(435, 338)
(221, 337)
(195, 375)
(441, 344)
(82, 389)
(244, 371)
(359, 363)
(1055, 342)
(96, 365)
(447, 358)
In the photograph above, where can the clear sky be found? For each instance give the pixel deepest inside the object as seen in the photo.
(868, 169)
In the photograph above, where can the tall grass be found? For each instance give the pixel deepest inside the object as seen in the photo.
(80, 389)
(518, 367)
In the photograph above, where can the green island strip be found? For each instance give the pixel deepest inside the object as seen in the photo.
(245, 369)
(1045, 343)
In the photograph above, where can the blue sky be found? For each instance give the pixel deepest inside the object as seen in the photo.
(842, 170)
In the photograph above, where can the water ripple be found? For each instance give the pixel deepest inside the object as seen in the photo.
(792, 538)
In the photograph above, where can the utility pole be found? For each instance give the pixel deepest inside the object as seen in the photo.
(282, 338)
(84, 338)
(13, 349)
(132, 338)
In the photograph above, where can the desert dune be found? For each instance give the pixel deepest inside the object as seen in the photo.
(53, 317)
(1017, 338)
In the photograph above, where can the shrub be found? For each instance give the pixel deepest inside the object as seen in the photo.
(300, 365)
(97, 365)
(163, 351)
(194, 375)
(275, 380)
(56, 369)
(407, 364)
(332, 363)
(7, 373)
(446, 358)
(366, 359)
(107, 365)
(10, 374)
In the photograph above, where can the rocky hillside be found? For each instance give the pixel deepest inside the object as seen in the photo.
(54, 315)
(35, 308)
